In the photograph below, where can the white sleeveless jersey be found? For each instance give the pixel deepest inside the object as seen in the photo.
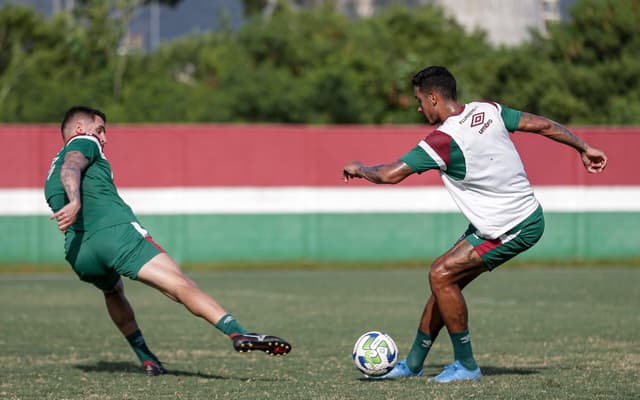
(480, 167)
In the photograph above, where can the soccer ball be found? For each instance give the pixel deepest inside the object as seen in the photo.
(375, 353)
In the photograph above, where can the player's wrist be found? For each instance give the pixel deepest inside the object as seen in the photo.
(75, 203)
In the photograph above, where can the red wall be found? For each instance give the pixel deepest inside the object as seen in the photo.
(288, 155)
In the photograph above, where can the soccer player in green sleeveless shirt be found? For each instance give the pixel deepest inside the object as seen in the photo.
(104, 241)
(482, 171)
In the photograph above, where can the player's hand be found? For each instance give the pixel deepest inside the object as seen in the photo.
(66, 216)
(594, 160)
(350, 170)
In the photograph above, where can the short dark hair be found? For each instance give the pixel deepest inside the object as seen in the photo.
(80, 110)
(436, 78)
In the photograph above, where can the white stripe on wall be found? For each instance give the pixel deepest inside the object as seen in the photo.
(274, 200)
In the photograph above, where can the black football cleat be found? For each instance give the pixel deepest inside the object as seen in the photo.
(272, 345)
(153, 369)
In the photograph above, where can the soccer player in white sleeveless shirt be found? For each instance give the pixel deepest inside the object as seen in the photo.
(482, 170)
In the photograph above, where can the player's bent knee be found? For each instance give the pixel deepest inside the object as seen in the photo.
(439, 274)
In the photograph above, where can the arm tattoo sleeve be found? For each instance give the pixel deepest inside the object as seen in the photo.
(71, 173)
(550, 129)
(371, 173)
(562, 134)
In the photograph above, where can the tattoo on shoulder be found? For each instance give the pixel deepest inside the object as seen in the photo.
(71, 172)
(75, 159)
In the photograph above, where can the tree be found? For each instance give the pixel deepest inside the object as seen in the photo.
(113, 18)
(313, 65)
(597, 55)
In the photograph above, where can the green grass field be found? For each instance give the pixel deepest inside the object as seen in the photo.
(538, 333)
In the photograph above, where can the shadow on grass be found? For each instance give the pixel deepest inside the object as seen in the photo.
(129, 367)
(486, 371)
(489, 370)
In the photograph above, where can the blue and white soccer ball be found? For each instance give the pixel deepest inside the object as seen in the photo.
(375, 353)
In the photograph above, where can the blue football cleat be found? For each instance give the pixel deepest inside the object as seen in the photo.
(400, 370)
(457, 372)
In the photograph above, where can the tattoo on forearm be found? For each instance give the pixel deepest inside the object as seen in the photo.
(69, 182)
(564, 135)
(552, 130)
(71, 173)
(370, 173)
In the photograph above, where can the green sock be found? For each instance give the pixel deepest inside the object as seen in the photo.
(418, 351)
(136, 340)
(229, 325)
(462, 349)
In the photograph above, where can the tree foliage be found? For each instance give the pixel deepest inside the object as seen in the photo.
(313, 65)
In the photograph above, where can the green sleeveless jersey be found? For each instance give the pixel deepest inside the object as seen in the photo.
(101, 204)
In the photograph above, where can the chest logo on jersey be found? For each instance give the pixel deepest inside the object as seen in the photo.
(477, 119)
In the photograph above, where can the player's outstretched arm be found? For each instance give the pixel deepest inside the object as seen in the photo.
(382, 173)
(71, 174)
(594, 160)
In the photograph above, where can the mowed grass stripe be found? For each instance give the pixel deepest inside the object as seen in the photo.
(539, 333)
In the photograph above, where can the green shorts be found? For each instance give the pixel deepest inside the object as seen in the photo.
(515, 241)
(101, 257)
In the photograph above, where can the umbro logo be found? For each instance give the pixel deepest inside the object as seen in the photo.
(477, 119)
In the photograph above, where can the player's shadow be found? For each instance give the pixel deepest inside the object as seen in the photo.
(129, 367)
(491, 370)
(486, 371)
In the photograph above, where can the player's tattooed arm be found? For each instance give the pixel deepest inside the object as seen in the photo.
(71, 175)
(594, 160)
(382, 173)
(551, 129)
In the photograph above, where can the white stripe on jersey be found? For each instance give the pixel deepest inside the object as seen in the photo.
(432, 153)
(140, 229)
